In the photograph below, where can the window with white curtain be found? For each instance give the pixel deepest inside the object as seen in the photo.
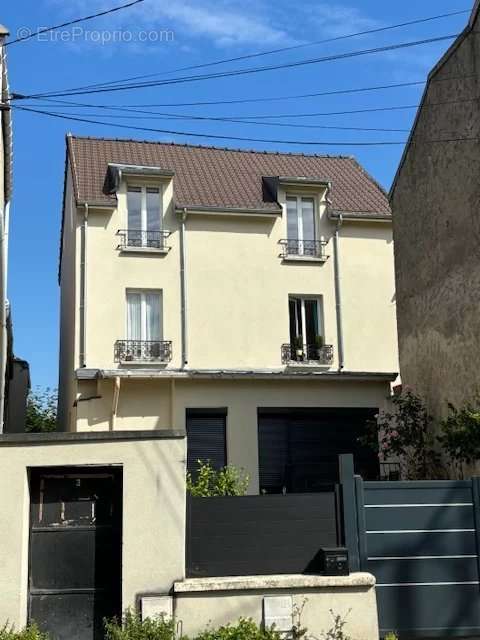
(144, 215)
(300, 218)
(144, 315)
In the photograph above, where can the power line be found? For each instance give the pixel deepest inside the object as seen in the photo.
(275, 51)
(334, 92)
(250, 70)
(212, 136)
(235, 120)
(249, 139)
(34, 34)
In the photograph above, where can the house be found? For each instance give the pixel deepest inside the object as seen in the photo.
(434, 199)
(245, 296)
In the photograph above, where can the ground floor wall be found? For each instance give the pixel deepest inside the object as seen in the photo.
(162, 404)
(308, 602)
(153, 523)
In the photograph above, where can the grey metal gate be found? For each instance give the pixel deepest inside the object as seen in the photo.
(421, 541)
(75, 550)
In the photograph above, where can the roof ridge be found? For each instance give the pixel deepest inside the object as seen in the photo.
(216, 148)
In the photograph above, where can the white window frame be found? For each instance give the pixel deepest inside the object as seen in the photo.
(143, 207)
(143, 312)
(299, 197)
(303, 315)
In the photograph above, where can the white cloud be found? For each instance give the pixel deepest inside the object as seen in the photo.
(339, 20)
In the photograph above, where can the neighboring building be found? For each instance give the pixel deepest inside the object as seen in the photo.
(245, 296)
(435, 202)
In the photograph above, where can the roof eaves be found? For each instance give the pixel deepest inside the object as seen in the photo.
(360, 215)
(274, 211)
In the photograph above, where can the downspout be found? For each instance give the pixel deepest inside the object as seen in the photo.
(116, 396)
(183, 288)
(338, 292)
(3, 313)
(83, 289)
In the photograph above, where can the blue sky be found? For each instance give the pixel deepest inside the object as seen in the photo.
(181, 33)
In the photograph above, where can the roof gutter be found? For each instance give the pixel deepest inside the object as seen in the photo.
(359, 216)
(234, 374)
(229, 211)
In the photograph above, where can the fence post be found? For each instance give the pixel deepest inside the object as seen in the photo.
(476, 517)
(347, 480)
(361, 523)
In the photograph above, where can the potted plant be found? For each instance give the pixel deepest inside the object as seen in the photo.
(319, 344)
(298, 344)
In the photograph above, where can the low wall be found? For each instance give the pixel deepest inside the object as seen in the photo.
(200, 602)
(153, 464)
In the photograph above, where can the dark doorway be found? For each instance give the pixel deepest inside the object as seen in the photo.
(75, 550)
(298, 449)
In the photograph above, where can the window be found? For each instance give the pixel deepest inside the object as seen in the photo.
(301, 225)
(206, 438)
(144, 316)
(306, 327)
(144, 217)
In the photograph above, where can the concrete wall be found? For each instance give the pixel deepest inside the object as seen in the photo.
(352, 597)
(238, 288)
(153, 553)
(437, 238)
(156, 404)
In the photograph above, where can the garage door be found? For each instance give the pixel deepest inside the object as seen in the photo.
(298, 448)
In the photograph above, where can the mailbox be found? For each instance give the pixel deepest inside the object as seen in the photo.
(335, 561)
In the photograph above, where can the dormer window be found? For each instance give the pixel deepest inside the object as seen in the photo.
(302, 241)
(144, 217)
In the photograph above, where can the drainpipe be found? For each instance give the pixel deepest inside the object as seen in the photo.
(338, 296)
(116, 395)
(83, 289)
(183, 288)
(3, 311)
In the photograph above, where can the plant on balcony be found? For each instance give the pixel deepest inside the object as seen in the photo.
(460, 436)
(319, 344)
(406, 433)
(210, 482)
(298, 346)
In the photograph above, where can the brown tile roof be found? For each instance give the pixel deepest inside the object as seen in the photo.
(219, 177)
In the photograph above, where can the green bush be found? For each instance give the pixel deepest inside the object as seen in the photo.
(245, 629)
(31, 632)
(131, 627)
(228, 481)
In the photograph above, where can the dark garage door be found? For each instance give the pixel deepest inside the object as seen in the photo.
(75, 550)
(298, 448)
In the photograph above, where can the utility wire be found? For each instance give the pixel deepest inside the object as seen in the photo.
(34, 34)
(68, 104)
(207, 135)
(249, 139)
(239, 72)
(275, 51)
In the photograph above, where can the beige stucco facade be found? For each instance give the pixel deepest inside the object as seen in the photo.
(153, 474)
(237, 289)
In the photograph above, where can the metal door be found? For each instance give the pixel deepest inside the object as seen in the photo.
(75, 550)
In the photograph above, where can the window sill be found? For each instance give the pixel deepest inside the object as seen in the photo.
(155, 250)
(308, 364)
(305, 259)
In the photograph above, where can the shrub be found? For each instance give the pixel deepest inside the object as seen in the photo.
(460, 435)
(31, 632)
(405, 433)
(132, 627)
(209, 482)
(245, 629)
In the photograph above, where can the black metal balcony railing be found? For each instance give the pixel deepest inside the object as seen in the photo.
(303, 249)
(143, 351)
(307, 353)
(139, 239)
